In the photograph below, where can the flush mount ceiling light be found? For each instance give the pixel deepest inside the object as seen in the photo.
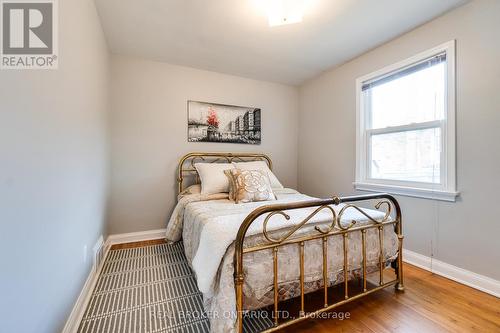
(280, 12)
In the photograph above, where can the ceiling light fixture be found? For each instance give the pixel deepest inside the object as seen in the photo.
(280, 12)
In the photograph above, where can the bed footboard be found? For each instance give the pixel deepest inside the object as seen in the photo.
(392, 216)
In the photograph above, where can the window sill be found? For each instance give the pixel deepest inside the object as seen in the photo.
(408, 191)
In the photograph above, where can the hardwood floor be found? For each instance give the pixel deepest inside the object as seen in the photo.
(430, 303)
(137, 244)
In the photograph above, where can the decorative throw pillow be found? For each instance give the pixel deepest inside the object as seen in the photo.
(232, 184)
(260, 165)
(251, 185)
(212, 177)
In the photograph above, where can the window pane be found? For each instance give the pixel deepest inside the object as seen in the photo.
(414, 98)
(408, 156)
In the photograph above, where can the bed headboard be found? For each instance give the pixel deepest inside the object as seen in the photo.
(187, 174)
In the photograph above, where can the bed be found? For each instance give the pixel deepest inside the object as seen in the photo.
(255, 255)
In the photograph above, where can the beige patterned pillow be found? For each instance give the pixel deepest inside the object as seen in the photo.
(259, 165)
(249, 186)
(232, 184)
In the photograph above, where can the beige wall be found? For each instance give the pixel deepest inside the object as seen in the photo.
(53, 175)
(149, 133)
(464, 233)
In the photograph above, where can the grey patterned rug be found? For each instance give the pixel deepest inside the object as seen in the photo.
(149, 289)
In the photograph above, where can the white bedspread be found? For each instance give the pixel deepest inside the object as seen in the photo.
(209, 228)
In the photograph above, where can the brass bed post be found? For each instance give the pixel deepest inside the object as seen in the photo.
(381, 254)
(275, 277)
(239, 277)
(399, 231)
(325, 270)
(346, 272)
(180, 177)
(238, 283)
(238, 268)
(302, 308)
(363, 246)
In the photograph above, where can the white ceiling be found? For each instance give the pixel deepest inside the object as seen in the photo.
(233, 36)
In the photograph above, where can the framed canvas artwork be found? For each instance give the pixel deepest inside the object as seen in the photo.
(210, 122)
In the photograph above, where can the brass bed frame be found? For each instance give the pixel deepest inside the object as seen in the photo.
(186, 170)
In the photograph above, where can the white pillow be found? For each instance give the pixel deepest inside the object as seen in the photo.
(259, 165)
(213, 179)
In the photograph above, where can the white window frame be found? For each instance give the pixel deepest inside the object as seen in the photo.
(446, 190)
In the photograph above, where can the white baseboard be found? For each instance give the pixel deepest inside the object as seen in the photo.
(471, 279)
(136, 236)
(83, 299)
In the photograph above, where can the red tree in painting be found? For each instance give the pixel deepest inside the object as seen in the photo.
(212, 119)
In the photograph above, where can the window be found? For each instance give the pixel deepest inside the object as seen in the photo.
(406, 127)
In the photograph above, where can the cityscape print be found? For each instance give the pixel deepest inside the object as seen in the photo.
(209, 122)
